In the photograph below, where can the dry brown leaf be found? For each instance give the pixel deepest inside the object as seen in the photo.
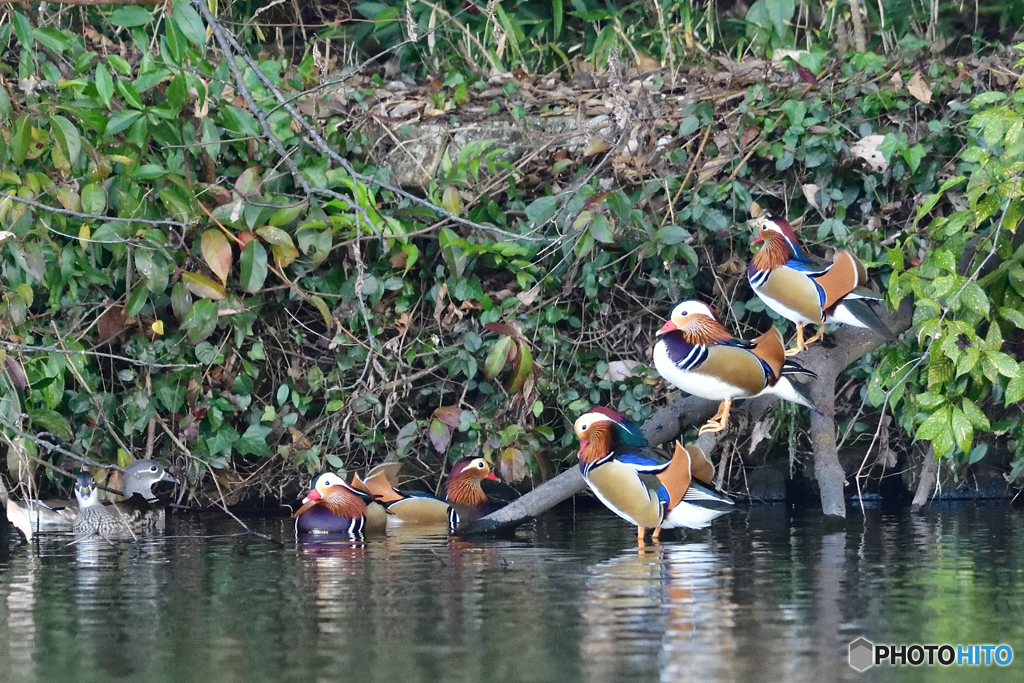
(867, 149)
(811, 195)
(761, 431)
(755, 210)
(919, 88)
(619, 370)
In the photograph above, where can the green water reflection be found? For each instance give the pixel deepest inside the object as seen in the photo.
(763, 596)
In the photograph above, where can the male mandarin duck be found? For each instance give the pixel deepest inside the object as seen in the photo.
(464, 497)
(803, 291)
(640, 484)
(118, 520)
(333, 506)
(698, 355)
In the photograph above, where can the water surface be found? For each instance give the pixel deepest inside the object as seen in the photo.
(765, 595)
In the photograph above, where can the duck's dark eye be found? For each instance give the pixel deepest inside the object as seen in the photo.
(152, 468)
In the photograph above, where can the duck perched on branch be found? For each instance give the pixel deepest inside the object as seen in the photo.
(806, 292)
(695, 353)
(641, 484)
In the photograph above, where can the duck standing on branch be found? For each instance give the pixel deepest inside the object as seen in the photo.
(333, 506)
(803, 291)
(695, 353)
(640, 484)
(465, 499)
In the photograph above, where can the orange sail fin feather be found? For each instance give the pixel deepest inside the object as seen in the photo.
(769, 348)
(841, 279)
(676, 477)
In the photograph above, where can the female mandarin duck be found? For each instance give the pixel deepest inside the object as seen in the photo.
(464, 497)
(332, 506)
(698, 355)
(120, 520)
(640, 484)
(805, 292)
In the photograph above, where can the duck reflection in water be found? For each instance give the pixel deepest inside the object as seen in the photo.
(658, 612)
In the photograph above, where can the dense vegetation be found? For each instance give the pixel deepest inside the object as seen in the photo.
(195, 269)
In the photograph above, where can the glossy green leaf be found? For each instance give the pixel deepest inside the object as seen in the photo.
(67, 137)
(189, 22)
(203, 287)
(253, 266)
(130, 16)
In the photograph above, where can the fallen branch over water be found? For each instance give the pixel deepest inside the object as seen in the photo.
(827, 359)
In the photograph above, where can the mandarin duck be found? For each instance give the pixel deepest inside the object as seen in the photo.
(798, 289)
(118, 520)
(334, 506)
(36, 516)
(695, 353)
(639, 483)
(464, 498)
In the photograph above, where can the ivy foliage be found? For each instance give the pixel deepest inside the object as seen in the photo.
(169, 284)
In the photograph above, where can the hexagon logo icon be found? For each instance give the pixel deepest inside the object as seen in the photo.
(862, 654)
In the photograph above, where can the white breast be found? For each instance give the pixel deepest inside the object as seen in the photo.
(692, 381)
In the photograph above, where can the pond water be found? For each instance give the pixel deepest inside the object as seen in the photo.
(765, 595)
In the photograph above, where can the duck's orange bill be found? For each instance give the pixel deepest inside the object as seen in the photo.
(669, 326)
(490, 475)
(311, 496)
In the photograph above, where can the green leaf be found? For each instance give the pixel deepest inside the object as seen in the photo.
(963, 431)
(21, 139)
(1005, 365)
(974, 414)
(934, 424)
(541, 210)
(254, 441)
(68, 139)
(600, 229)
(104, 85)
(1014, 391)
(523, 368)
(497, 357)
(23, 29)
(51, 421)
(121, 121)
(975, 299)
(1012, 315)
(181, 300)
(217, 253)
(253, 266)
(130, 16)
(977, 453)
(321, 306)
(189, 22)
(280, 244)
(136, 301)
(94, 199)
(671, 234)
(780, 12)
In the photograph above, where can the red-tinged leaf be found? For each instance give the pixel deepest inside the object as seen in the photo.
(248, 183)
(283, 256)
(523, 368)
(440, 435)
(245, 237)
(502, 328)
(806, 75)
(450, 415)
(497, 357)
(204, 287)
(217, 252)
(512, 465)
(15, 372)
